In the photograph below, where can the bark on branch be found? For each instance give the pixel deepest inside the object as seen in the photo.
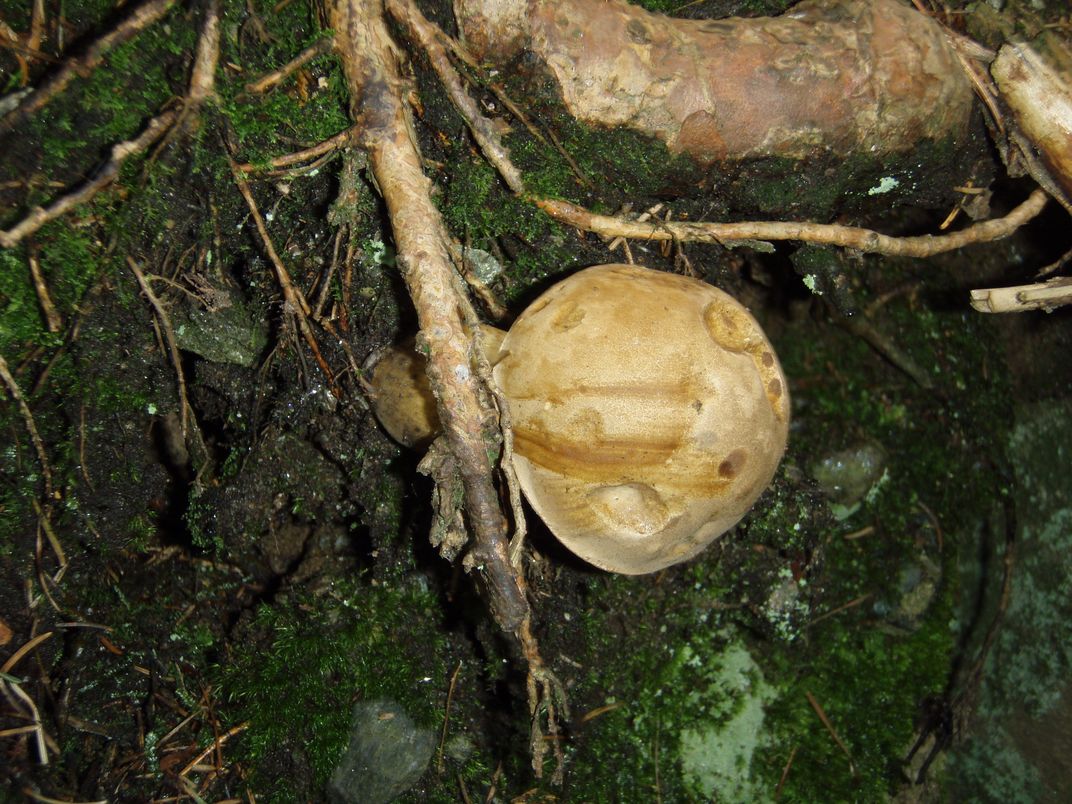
(385, 130)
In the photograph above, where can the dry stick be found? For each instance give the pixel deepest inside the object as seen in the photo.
(39, 216)
(318, 48)
(28, 420)
(864, 240)
(1021, 298)
(292, 296)
(139, 19)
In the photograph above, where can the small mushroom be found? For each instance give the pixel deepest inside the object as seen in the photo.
(649, 412)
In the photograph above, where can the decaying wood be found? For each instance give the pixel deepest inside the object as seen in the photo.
(839, 77)
(1040, 101)
(1021, 298)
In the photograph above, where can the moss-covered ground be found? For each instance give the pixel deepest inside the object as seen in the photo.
(209, 609)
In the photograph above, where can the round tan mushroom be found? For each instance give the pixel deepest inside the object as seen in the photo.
(649, 412)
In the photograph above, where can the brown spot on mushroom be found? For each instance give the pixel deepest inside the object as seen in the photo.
(730, 325)
(732, 464)
(768, 359)
(567, 318)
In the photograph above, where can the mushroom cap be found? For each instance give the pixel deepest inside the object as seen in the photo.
(649, 412)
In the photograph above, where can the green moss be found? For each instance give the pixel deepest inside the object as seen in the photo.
(308, 661)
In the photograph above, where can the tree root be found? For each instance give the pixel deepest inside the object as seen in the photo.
(470, 424)
(484, 132)
(864, 240)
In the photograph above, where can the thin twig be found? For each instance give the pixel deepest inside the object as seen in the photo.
(139, 19)
(446, 716)
(785, 773)
(17, 656)
(318, 48)
(482, 129)
(31, 426)
(864, 240)
(843, 607)
(292, 295)
(215, 745)
(53, 540)
(830, 728)
(328, 146)
(39, 216)
(52, 318)
(169, 336)
(35, 716)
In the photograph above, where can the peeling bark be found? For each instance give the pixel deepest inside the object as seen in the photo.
(847, 76)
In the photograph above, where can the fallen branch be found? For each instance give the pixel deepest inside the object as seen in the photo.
(139, 19)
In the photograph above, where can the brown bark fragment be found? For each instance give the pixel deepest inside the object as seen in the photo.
(840, 76)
